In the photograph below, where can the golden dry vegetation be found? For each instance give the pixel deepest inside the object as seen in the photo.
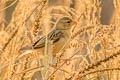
(91, 53)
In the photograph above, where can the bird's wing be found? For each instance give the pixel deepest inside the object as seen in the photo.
(39, 43)
(53, 36)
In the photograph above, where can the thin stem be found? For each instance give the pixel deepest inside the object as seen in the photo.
(45, 56)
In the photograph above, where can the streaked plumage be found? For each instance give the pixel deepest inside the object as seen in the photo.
(63, 25)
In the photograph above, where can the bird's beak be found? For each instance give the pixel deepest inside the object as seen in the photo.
(75, 22)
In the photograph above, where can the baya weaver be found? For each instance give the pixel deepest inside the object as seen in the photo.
(58, 36)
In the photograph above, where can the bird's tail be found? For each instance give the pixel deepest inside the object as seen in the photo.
(26, 48)
(25, 51)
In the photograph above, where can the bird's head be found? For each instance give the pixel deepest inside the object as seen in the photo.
(65, 23)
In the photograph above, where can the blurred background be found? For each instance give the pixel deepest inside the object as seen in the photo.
(107, 9)
(14, 14)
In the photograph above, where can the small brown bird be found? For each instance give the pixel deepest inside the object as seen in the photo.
(57, 36)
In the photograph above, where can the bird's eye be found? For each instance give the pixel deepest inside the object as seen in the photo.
(68, 21)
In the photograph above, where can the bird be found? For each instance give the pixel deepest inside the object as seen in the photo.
(58, 36)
